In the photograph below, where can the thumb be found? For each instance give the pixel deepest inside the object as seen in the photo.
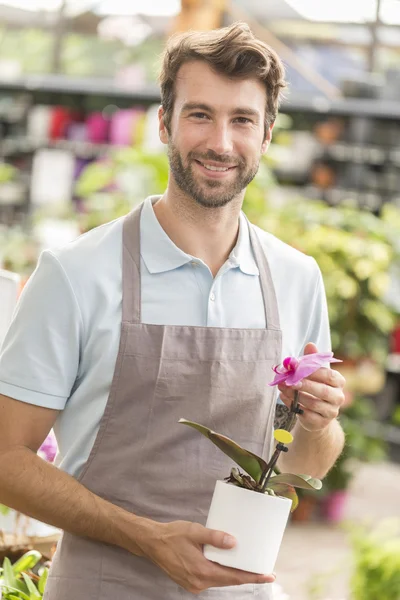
(310, 348)
(219, 539)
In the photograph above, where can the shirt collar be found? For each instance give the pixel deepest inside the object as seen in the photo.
(157, 249)
(242, 254)
(160, 254)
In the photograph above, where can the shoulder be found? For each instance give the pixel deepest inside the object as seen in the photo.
(92, 266)
(91, 249)
(92, 259)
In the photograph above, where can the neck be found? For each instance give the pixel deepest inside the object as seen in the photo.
(209, 234)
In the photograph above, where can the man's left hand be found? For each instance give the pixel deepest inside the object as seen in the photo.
(320, 396)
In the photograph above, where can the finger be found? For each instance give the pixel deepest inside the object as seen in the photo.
(312, 421)
(310, 348)
(287, 394)
(289, 391)
(287, 400)
(326, 393)
(228, 576)
(213, 537)
(313, 404)
(330, 377)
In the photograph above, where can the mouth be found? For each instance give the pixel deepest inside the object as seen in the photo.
(215, 169)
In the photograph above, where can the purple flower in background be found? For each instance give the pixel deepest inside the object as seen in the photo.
(294, 369)
(48, 449)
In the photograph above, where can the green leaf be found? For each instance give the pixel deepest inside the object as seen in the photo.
(301, 481)
(8, 596)
(8, 574)
(287, 491)
(94, 178)
(27, 561)
(43, 580)
(251, 463)
(33, 591)
(4, 510)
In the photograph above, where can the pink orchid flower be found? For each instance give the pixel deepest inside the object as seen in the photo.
(48, 449)
(294, 369)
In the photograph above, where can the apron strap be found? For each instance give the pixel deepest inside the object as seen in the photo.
(267, 285)
(131, 280)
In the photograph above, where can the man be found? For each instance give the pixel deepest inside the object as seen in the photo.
(181, 309)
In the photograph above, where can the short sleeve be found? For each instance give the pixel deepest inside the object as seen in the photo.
(39, 358)
(318, 330)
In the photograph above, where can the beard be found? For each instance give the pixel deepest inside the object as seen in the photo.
(209, 193)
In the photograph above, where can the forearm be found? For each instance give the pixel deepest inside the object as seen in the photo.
(313, 453)
(36, 488)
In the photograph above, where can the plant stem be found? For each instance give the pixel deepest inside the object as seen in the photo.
(265, 477)
(294, 411)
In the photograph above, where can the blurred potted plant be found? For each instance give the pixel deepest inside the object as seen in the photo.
(111, 187)
(376, 556)
(355, 251)
(25, 579)
(18, 251)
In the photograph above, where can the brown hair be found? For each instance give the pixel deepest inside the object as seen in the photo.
(232, 51)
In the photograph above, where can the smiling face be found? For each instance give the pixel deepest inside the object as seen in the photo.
(216, 135)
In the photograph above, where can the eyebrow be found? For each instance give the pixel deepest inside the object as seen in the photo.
(239, 110)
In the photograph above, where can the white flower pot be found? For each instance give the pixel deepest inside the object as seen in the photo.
(257, 521)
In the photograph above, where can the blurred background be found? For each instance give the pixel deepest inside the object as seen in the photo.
(79, 147)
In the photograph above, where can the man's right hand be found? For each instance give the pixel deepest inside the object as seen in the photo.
(177, 548)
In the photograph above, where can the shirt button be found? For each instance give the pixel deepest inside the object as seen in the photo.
(212, 296)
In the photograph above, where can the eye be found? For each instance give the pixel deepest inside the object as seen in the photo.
(199, 115)
(243, 120)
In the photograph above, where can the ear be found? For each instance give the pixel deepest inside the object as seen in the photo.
(162, 130)
(267, 139)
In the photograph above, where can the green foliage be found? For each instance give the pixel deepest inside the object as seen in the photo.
(111, 187)
(32, 48)
(305, 482)
(281, 485)
(17, 580)
(7, 173)
(18, 250)
(355, 251)
(4, 510)
(27, 562)
(82, 55)
(376, 557)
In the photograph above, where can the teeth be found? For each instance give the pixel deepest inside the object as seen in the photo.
(212, 168)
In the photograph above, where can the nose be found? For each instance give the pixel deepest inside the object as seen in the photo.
(220, 140)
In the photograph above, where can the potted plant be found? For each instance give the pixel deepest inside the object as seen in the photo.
(254, 505)
(25, 579)
(376, 558)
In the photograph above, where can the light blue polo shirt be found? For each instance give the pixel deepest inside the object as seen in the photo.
(62, 345)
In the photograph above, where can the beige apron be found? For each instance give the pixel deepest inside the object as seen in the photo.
(148, 464)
